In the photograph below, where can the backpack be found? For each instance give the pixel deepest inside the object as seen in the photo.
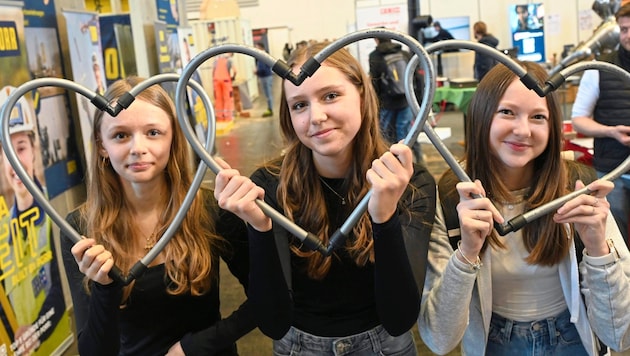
(449, 201)
(393, 79)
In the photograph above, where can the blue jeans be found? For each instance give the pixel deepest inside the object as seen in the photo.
(267, 86)
(398, 120)
(619, 200)
(555, 336)
(396, 124)
(375, 341)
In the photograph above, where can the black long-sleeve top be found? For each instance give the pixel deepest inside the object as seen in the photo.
(152, 320)
(349, 299)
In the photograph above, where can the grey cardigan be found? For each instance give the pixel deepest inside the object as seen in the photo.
(457, 302)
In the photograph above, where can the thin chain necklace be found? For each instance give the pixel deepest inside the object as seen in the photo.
(343, 200)
(151, 240)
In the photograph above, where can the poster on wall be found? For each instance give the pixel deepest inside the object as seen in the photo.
(528, 35)
(168, 55)
(188, 50)
(60, 154)
(33, 315)
(391, 16)
(86, 57)
(115, 31)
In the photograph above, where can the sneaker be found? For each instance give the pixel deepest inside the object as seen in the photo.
(267, 113)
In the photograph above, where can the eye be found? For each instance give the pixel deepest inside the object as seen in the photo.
(154, 132)
(331, 96)
(539, 117)
(298, 106)
(119, 136)
(506, 112)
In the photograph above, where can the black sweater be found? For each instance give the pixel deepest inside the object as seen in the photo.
(349, 299)
(153, 320)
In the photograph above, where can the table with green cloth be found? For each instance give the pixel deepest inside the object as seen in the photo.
(460, 97)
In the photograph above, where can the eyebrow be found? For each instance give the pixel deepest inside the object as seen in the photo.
(325, 89)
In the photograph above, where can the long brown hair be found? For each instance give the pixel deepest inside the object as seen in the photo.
(546, 240)
(188, 254)
(300, 193)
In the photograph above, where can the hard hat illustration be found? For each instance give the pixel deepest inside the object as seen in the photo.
(22, 117)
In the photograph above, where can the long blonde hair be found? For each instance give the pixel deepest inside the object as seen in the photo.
(189, 255)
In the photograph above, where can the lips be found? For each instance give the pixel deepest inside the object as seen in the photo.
(519, 146)
(321, 133)
(139, 166)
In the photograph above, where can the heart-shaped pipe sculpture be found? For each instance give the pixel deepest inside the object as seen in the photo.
(102, 104)
(552, 83)
(310, 66)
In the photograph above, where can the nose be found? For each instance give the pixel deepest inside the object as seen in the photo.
(138, 145)
(318, 114)
(521, 126)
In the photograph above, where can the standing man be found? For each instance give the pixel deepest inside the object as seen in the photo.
(483, 63)
(395, 113)
(265, 75)
(602, 111)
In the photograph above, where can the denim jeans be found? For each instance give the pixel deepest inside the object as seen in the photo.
(267, 86)
(395, 125)
(554, 336)
(375, 341)
(400, 120)
(619, 200)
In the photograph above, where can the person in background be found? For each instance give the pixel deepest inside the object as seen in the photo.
(522, 293)
(140, 171)
(362, 299)
(286, 51)
(265, 75)
(223, 74)
(600, 111)
(441, 33)
(395, 115)
(483, 63)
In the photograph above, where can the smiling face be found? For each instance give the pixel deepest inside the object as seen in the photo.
(519, 131)
(137, 142)
(23, 145)
(325, 112)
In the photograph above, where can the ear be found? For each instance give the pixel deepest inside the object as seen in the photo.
(101, 150)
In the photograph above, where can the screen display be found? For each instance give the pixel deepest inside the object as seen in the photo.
(528, 34)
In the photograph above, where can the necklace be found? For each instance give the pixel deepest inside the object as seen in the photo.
(151, 240)
(343, 200)
(520, 196)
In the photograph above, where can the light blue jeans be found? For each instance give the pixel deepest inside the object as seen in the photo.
(555, 336)
(619, 200)
(376, 341)
(267, 86)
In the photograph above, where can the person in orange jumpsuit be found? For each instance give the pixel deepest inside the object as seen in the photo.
(222, 76)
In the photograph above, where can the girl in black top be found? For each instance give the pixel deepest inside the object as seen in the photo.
(363, 298)
(140, 170)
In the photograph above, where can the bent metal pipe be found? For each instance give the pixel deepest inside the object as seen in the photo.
(102, 104)
(552, 83)
(308, 68)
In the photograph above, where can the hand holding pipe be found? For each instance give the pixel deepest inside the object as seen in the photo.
(308, 69)
(102, 104)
